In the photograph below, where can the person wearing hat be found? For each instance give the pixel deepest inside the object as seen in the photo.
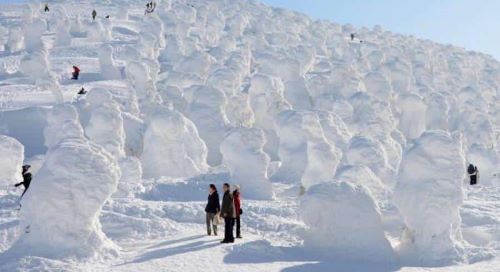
(26, 179)
(238, 210)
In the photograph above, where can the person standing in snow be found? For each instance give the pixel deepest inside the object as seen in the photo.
(352, 36)
(26, 180)
(228, 212)
(239, 211)
(94, 14)
(46, 9)
(212, 209)
(76, 72)
(473, 174)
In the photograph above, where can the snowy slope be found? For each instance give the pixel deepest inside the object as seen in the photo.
(351, 154)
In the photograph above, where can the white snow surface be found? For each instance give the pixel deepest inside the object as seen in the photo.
(350, 155)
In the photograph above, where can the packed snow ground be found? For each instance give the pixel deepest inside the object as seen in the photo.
(351, 155)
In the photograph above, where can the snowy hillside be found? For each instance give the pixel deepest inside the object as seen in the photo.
(351, 154)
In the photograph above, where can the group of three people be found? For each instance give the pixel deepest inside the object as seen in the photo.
(230, 210)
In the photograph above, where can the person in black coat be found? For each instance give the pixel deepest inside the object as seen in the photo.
(473, 174)
(212, 209)
(228, 211)
(26, 179)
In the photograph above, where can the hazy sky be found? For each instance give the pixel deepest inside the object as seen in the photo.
(473, 24)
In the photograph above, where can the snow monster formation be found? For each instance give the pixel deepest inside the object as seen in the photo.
(428, 194)
(344, 224)
(11, 160)
(172, 146)
(60, 214)
(105, 126)
(243, 154)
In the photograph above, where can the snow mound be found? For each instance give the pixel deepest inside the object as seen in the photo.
(243, 154)
(11, 161)
(105, 126)
(344, 224)
(428, 194)
(305, 153)
(172, 146)
(60, 211)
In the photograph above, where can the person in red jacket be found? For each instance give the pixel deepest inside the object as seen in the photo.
(76, 72)
(239, 211)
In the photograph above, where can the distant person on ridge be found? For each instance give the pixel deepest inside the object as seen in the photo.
(82, 91)
(76, 73)
(212, 209)
(228, 212)
(26, 179)
(352, 36)
(239, 211)
(94, 14)
(473, 174)
(46, 9)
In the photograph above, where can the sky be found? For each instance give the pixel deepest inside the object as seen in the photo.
(473, 24)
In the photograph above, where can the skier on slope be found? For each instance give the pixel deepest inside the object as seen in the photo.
(228, 212)
(94, 14)
(473, 173)
(239, 211)
(82, 91)
(46, 9)
(352, 36)
(76, 72)
(212, 209)
(26, 179)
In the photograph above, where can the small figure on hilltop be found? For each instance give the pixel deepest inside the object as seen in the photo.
(46, 9)
(212, 209)
(229, 213)
(239, 211)
(473, 174)
(82, 91)
(352, 36)
(94, 14)
(150, 7)
(76, 72)
(26, 180)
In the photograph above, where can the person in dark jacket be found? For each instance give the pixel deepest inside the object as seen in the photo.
(212, 209)
(76, 72)
(82, 91)
(473, 174)
(228, 212)
(238, 210)
(94, 14)
(46, 9)
(26, 179)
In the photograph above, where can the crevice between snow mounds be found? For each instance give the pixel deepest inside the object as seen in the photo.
(60, 211)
